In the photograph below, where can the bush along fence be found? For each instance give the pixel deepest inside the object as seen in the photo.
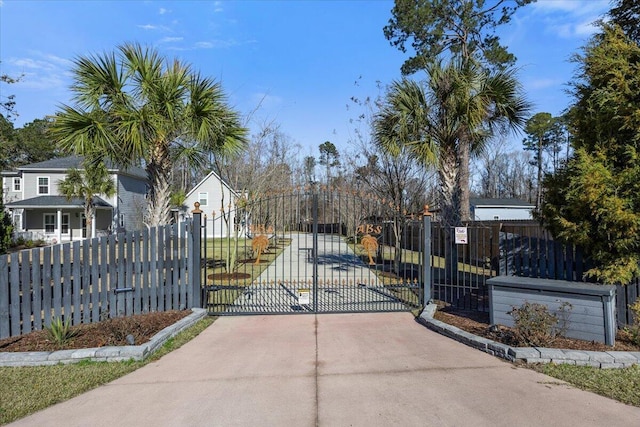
(156, 269)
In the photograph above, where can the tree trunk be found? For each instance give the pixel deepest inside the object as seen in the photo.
(449, 205)
(539, 189)
(464, 213)
(448, 175)
(159, 172)
(89, 213)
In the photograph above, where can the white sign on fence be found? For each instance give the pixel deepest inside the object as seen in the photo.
(461, 236)
(304, 297)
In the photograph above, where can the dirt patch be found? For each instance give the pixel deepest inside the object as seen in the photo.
(111, 332)
(478, 324)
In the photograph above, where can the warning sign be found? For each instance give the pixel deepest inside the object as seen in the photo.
(461, 236)
(303, 297)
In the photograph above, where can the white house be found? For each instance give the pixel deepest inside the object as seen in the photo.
(218, 202)
(39, 211)
(500, 209)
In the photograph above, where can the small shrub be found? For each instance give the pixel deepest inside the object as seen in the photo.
(60, 332)
(29, 244)
(634, 329)
(535, 326)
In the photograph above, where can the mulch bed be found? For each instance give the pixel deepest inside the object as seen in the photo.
(111, 332)
(478, 324)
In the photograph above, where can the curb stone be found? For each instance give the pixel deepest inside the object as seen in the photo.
(597, 359)
(102, 354)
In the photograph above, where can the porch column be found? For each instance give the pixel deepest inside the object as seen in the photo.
(59, 226)
(93, 224)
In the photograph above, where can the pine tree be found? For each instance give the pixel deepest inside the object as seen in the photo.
(594, 200)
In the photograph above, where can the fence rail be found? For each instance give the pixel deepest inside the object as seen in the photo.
(87, 281)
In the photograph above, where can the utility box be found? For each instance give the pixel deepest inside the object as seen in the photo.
(591, 318)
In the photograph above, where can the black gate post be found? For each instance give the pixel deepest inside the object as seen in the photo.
(315, 249)
(195, 275)
(426, 284)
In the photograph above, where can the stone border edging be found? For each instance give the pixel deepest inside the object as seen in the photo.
(597, 359)
(102, 354)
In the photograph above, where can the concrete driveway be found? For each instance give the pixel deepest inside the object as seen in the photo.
(332, 370)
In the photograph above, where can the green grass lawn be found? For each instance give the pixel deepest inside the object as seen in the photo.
(28, 389)
(620, 384)
(242, 273)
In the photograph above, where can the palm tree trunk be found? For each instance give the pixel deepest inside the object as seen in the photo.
(89, 213)
(448, 175)
(159, 172)
(464, 213)
(449, 205)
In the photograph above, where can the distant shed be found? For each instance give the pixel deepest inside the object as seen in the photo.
(500, 209)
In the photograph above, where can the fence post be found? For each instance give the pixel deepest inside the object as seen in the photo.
(426, 284)
(315, 248)
(195, 276)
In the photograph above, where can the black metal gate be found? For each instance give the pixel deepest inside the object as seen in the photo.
(314, 250)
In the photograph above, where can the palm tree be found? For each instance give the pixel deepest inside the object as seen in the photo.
(94, 180)
(137, 109)
(445, 121)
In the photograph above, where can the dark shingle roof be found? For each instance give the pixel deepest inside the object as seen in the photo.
(69, 162)
(56, 202)
(63, 163)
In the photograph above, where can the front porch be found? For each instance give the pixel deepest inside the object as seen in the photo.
(55, 219)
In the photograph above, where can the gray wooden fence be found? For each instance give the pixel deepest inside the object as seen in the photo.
(155, 269)
(530, 251)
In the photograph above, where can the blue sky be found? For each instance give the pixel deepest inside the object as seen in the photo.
(298, 60)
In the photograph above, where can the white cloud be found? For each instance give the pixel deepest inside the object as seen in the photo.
(575, 7)
(217, 5)
(585, 29)
(49, 82)
(163, 11)
(171, 39)
(31, 64)
(56, 59)
(42, 71)
(569, 18)
(218, 44)
(151, 27)
(204, 45)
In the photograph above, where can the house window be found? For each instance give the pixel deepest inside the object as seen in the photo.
(203, 198)
(17, 184)
(65, 224)
(49, 223)
(121, 220)
(43, 185)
